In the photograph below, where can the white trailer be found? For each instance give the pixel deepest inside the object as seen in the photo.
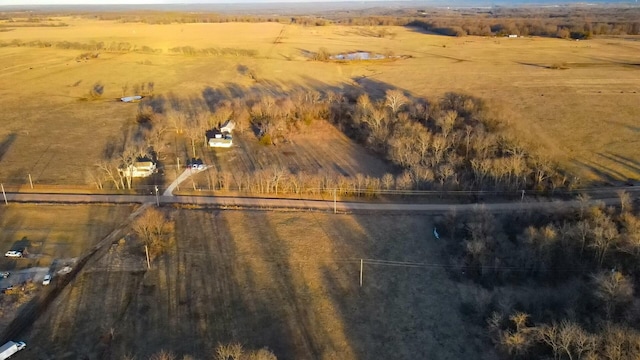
(11, 348)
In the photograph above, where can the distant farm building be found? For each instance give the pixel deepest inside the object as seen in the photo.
(143, 168)
(131, 98)
(513, 35)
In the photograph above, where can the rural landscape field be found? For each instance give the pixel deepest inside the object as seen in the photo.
(584, 115)
(127, 135)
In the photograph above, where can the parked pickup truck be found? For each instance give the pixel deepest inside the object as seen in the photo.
(11, 348)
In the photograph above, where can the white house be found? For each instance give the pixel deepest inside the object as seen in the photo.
(222, 137)
(223, 140)
(140, 169)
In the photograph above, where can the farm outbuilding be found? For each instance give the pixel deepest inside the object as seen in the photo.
(227, 127)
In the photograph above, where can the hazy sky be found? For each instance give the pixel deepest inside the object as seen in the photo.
(134, 2)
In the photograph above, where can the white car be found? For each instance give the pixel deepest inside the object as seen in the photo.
(13, 253)
(47, 280)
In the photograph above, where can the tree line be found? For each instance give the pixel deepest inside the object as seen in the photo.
(454, 143)
(557, 286)
(234, 351)
(549, 22)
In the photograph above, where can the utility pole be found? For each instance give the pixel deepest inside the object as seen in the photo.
(146, 250)
(157, 199)
(335, 209)
(4, 195)
(361, 263)
(30, 181)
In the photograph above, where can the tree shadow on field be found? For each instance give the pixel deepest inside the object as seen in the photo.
(6, 143)
(45, 321)
(606, 175)
(635, 129)
(22, 245)
(206, 292)
(156, 102)
(401, 311)
(630, 165)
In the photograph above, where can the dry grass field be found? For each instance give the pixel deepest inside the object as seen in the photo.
(54, 231)
(255, 278)
(583, 114)
(50, 234)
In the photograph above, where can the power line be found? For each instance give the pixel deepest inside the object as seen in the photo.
(405, 264)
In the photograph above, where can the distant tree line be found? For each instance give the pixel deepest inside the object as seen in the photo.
(561, 287)
(563, 22)
(526, 27)
(190, 50)
(549, 22)
(125, 47)
(120, 47)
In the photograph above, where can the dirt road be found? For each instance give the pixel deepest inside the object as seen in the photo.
(238, 202)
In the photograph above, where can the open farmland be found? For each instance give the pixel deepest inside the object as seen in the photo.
(575, 101)
(254, 277)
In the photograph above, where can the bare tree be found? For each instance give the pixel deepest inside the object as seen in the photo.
(177, 119)
(262, 354)
(548, 334)
(229, 352)
(613, 289)
(132, 152)
(152, 227)
(585, 201)
(581, 231)
(604, 235)
(387, 181)
(95, 176)
(446, 121)
(163, 355)
(395, 99)
(111, 172)
(195, 128)
(630, 234)
(625, 201)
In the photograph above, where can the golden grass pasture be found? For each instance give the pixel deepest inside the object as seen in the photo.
(54, 231)
(585, 116)
(53, 235)
(256, 278)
